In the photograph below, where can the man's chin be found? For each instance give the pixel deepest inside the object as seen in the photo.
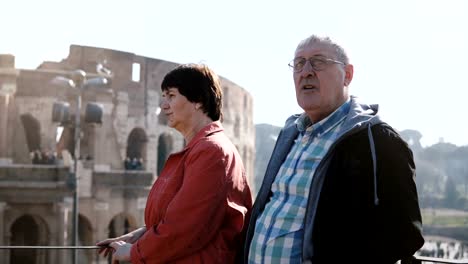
(310, 106)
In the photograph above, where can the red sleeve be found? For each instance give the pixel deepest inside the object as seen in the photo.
(194, 215)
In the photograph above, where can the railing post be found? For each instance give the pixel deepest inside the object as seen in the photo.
(3, 257)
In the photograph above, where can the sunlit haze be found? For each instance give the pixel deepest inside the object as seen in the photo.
(409, 56)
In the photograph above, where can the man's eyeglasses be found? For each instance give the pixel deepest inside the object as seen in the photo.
(318, 64)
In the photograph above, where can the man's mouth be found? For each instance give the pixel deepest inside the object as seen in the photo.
(309, 87)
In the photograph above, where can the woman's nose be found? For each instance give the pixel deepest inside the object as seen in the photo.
(164, 104)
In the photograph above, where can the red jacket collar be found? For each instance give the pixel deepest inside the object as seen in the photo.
(207, 130)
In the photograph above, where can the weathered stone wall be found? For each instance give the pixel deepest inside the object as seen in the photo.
(238, 123)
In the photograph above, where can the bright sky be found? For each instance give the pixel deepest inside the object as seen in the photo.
(409, 56)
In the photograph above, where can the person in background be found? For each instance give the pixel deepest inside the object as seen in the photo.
(340, 184)
(198, 209)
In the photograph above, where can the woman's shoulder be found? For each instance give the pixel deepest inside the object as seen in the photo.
(216, 142)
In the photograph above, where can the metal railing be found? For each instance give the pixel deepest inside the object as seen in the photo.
(42, 254)
(421, 259)
(414, 260)
(50, 247)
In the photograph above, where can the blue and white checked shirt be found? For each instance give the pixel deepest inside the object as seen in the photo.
(279, 229)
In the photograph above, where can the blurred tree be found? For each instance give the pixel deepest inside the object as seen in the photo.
(451, 194)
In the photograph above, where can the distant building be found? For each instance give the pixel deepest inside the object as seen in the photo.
(265, 140)
(119, 159)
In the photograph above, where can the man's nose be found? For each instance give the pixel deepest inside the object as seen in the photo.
(308, 69)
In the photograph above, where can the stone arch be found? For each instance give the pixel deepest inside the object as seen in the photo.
(121, 224)
(165, 147)
(32, 130)
(85, 238)
(136, 144)
(29, 230)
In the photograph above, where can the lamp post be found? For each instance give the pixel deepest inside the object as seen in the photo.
(79, 82)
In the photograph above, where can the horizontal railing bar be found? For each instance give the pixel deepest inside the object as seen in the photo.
(441, 260)
(50, 247)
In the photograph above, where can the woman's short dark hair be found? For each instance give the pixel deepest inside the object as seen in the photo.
(199, 84)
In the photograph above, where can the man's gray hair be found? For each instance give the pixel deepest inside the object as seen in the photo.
(340, 52)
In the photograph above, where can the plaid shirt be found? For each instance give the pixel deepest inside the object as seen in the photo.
(279, 229)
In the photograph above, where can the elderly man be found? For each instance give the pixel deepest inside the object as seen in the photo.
(339, 187)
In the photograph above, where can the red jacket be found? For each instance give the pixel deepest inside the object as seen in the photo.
(198, 209)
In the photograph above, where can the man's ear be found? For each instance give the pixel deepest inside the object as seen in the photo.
(349, 72)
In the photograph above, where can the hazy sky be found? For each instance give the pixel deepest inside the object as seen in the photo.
(409, 56)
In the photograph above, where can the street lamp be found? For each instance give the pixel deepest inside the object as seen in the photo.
(79, 82)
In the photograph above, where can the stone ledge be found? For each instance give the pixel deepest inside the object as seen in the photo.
(32, 184)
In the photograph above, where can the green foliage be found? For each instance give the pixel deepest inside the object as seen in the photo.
(451, 194)
(441, 174)
(443, 219)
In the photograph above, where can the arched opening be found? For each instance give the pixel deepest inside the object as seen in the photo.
(85, 236)
(24, 232)
(119, 225)
(32, 130)
(28, 230)
(136, 149)
(165, 145)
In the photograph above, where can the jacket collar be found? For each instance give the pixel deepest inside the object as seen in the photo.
(207, 130)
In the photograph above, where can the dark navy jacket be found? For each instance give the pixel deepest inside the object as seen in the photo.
(363, 203)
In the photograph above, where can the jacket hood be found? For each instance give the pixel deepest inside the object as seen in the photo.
(360, 115)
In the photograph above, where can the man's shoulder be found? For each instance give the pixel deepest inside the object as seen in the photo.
(388, 137)
(291, 120)
(385, 130)
(379, 132)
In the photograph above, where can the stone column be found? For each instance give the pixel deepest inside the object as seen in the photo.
(101, 210)
(8, 75)
(3, 233)
(4, 100)
(57, 233)
(64, 222)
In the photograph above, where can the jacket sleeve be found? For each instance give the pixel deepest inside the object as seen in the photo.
(398, 207)
(194, 215)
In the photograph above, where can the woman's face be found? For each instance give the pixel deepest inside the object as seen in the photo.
(177, 108)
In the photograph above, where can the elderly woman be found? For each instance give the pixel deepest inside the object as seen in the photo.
(197, 210)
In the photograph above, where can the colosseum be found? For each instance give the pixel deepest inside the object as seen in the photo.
(121, 150)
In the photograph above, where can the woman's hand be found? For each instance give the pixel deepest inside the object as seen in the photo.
(121, 251)
(130, 238)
